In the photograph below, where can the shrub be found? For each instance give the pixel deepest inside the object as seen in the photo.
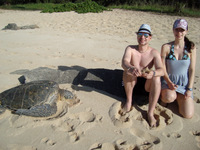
(89, 6)
(82, 7)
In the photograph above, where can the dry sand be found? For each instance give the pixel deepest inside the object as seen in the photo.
(90, 41)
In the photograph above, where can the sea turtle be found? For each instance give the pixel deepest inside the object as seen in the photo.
(37, 98)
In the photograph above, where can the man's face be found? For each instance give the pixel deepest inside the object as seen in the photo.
(143, 38)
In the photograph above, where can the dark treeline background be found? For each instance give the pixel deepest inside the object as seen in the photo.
(187, 3)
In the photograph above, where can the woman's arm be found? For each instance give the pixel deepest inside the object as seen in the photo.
(192, 68)
(164, 52)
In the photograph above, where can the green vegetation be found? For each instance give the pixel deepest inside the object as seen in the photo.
(184, 8)
(37, 6)
(161, 9)
(82, 7)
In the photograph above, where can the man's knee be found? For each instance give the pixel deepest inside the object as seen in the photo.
(127, 77)
(154, 83)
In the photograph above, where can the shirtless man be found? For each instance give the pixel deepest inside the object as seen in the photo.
(135, 59)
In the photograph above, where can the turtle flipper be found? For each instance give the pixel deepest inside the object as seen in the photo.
(44, 110)
(2, 109)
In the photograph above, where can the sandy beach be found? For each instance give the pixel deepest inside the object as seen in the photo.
(67, 41)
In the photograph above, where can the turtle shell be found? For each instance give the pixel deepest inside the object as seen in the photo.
(30, 94)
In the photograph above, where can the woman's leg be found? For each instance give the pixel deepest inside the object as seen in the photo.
(168, 96)
(186, 106)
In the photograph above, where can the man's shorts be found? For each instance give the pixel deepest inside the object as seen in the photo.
(139, 88)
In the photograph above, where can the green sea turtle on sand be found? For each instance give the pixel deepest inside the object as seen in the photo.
(37, 99)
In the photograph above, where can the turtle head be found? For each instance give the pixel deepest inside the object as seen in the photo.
(68, 96)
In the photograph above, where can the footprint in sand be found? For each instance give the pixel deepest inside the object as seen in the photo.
(122, 145)
(197, 137)
(86, 117)
(48, 142)
(147, 139)
(117, 118)
(117, 145)
(163, 116)
(104, 146)
(87, 121)
(173, 135)
(77, 124)
(70, 126)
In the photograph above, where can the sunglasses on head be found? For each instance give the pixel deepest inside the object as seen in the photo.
(140, 34)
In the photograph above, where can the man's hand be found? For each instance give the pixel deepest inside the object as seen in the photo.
(134, 71)
(148, 75)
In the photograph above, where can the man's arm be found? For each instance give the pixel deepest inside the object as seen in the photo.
(159, 71)
(126, 65)
(126, 62)
(158, 66)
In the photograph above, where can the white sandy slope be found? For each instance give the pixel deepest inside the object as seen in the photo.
(90, 41)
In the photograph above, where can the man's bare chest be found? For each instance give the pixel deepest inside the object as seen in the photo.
(142, 60)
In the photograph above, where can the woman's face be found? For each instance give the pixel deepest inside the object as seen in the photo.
(179, 33)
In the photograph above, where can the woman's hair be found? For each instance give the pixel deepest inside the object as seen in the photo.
(189, 44)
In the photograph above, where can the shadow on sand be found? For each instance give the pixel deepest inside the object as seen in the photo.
(105, 81)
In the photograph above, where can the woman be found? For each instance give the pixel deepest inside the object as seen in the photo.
(179, 59)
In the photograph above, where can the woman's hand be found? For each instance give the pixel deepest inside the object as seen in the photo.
(188, 94)
(172, 86)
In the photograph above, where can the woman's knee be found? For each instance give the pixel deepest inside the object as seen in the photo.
(168, 96)
(187, 115)
(186, 108)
